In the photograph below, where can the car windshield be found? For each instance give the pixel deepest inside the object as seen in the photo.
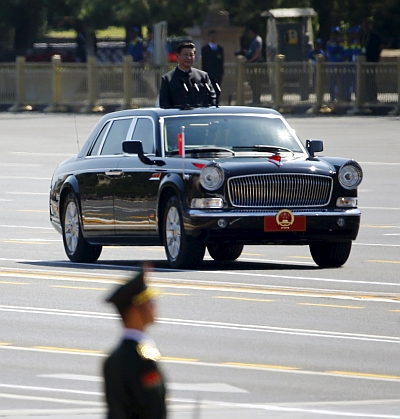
(235, 132)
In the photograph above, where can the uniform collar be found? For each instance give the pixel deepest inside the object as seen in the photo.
(134, 334)
(183, 71)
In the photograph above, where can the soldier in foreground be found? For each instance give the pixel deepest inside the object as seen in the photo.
(134, 384)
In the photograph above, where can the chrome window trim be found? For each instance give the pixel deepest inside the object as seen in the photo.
(132, 130)
(110, 122)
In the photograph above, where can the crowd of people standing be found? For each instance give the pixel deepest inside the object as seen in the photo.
(342, 47)
(345, 47)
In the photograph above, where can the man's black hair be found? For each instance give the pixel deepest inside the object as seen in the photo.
(182, 45)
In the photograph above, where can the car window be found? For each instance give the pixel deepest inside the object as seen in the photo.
(115, 136)
(99, 140)
(229, 132)
(144, 132)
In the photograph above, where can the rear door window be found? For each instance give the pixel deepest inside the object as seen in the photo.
(115, 137)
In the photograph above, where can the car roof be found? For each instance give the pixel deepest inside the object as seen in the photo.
(161, 112)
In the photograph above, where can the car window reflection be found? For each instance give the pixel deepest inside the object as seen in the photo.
(115, 136)
(229, 132)
(144, 132)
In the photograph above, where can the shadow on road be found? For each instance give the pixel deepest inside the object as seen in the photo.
(160, 265)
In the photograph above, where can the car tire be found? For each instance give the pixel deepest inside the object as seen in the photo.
(182, 250)
(76, 247)
(222, 251)
(330, 255)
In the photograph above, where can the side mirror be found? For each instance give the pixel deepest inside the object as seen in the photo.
(133, 147)
(314, 146)
(136, 147)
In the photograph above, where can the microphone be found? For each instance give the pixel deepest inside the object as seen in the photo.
(194, 84)
(215, 83)
(183, 83)
(205, 84)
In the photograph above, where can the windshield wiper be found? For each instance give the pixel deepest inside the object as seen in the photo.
(261, 147)
(211, 149)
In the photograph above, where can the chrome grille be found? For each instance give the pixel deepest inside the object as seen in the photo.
(280, 190)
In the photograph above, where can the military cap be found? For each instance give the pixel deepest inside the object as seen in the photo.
(133, 292)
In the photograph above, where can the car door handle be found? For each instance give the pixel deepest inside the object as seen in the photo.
(114, 173)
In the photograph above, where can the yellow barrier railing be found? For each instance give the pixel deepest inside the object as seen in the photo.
(94, 87)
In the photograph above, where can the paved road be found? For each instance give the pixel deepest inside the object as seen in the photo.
(270, 335)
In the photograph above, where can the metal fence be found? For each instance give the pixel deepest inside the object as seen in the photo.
(92, 86)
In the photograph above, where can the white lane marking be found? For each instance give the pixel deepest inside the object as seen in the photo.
(45, 389)
(21, 164)
(204, 387)
(27, 227)
(277, 408)
(26, 153)
(58, 412)
(212, 325)
(27, 193)
(26, 178)
(31, 240)
(77, 377)
(284, 262)
(377, 244)
(377, 163)
(55, 312)
(316, 279)
(280, 330)
(53, 351)
(392, 234)
(380, 208)
(45, 399)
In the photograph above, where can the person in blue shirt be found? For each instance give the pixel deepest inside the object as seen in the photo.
(317, 50)
(135, 46)
(335, 54)
(352, 50)
(353, 47)
(254, 57)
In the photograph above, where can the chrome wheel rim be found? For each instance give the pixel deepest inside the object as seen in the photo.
(71, 227)
(173, 232)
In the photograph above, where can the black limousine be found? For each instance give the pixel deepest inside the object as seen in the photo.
(215, 178)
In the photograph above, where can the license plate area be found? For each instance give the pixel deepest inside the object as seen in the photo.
(283, 221)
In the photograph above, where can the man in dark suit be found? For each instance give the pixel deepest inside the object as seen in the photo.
(186, 86)
(134, 384)
(212, 60)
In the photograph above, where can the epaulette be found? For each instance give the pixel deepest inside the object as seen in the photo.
(147, 350)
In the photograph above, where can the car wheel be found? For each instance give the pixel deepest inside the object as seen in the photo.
(76, 247)
(330, 255)
(182, 250)
(222, 251)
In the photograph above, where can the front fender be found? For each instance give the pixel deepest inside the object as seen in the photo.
(70, 184)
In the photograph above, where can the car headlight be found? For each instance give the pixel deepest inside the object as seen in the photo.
(350, 175)
(212, 177)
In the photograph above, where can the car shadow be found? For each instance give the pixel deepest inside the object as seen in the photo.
(161, 265)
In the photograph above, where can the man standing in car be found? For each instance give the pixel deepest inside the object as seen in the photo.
(186, 86)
